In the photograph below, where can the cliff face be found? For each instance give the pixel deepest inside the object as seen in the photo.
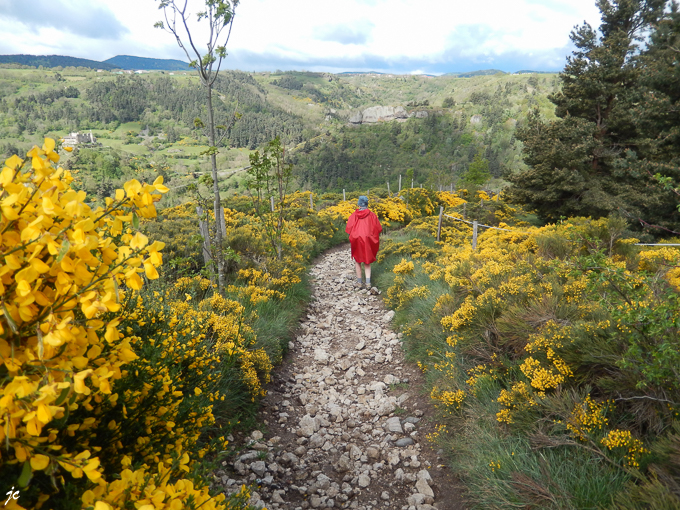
(378, 114)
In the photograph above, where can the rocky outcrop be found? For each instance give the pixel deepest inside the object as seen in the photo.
(421, 114)
(331, 114)
(344, 428)
(383, 113)
(378, 114)
(356, 118)
(476, 119)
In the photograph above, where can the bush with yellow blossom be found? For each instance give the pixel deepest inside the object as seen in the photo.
(89, 410)
(552, 347)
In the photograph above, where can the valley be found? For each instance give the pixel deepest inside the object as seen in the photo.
(146, 122)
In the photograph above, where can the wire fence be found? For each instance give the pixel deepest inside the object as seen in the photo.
(476, 225)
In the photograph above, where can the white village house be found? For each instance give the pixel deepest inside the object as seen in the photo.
(78, 138)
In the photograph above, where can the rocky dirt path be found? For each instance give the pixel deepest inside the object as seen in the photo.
(345, 423)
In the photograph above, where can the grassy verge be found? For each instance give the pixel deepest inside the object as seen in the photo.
(276, 321)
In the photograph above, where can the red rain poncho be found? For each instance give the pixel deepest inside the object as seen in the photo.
(364, 230)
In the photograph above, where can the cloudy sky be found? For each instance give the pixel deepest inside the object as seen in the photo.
(399, 36)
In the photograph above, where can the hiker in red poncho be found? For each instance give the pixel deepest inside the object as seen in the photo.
(364, 230)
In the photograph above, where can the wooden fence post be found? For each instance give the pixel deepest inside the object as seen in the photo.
(388, 189)
(399, 183)
(439, 225)
(343, 195)
(311, 201)
(474, 235)
(272, 202)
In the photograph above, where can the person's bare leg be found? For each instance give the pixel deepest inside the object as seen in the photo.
(357, 266)
(367, 270)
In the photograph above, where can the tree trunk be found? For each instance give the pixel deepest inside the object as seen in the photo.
(218, 206)
(279, 174)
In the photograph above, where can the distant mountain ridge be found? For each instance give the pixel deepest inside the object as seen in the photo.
(54, 61)
(147, 64)
(470, 74)
(528, 71)
(117, 63)
(132, 63)
(360, 72)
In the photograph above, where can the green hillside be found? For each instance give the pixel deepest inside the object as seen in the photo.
(152, 117)
(147, 64)
(438, 147)
(117, 62)
(50, 61)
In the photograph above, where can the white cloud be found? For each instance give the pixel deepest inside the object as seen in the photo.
(78, 17)
(354, 33)
(330, 33)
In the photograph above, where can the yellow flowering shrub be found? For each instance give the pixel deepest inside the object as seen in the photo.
(391, 209)
(256, 367)
(411, 204)
(258, 286)
(551, 371)
(587, 418)
(447, 400)
(450, 199)
(479, 373)
(228, 323)
(495, 466)
(107, 388)
(394, 292)
(419, 292)
(554, 334)
(187, 338)
(623, 439)
(143, 487)
(387, 209)
(61, 349)
(518, 398)
(421, 202)
(543, 378)
(404, 267)
(440, 430)
(343, 210)
(414, 248)
(665, 260)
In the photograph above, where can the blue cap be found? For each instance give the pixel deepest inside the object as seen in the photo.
(363, 201)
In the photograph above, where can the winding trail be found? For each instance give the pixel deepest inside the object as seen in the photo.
(344, 417)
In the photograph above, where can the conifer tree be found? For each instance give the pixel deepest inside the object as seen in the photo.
(577, 163)
(658, 118)
(478, 172)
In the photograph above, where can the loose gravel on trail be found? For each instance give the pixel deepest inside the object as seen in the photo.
(344, 419)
